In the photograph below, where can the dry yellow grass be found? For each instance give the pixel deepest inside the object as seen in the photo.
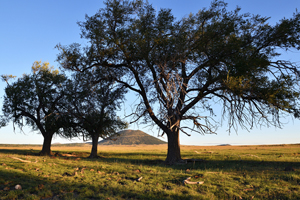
(161, 147)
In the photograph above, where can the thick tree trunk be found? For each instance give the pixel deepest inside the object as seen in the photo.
(94, 152)
(46, 150)
(173, 155)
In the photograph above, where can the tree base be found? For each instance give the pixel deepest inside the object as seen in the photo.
(93, 156)
(43, 153)
(175, 162)
(182, 161)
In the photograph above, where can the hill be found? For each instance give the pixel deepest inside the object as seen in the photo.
(130, 137)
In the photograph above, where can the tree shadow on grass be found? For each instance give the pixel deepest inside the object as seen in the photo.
(216, 165)
(48, 188)
(70, 186)
(196, 168)
(157, 159)
(35, 152)
(67, 186)
(20, 151)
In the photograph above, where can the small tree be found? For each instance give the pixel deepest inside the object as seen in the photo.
(178, 67)
(33, 100)
(92, 108)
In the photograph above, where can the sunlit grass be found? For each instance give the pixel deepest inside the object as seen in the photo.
(228, 172)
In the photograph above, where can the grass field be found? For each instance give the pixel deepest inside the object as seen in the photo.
(228, 172)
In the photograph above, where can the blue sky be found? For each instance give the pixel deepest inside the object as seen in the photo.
(30, 30)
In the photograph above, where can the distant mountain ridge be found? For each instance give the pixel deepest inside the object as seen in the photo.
(131, 137)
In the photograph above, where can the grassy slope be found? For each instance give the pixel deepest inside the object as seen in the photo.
(229, 172)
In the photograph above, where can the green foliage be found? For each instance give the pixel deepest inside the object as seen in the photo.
(33, 100)
(92, 105)
(3, 121)
(34, 97)
(180, 64)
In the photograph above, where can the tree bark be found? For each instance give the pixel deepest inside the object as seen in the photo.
(46, 150)
(94, 152)
(173, 155)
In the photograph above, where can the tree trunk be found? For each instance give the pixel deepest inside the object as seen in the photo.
(46, 150)
(173, 155)
(94, 152)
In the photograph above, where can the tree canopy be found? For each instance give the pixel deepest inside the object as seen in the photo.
(33, 100)
(177, 67)
(92, 108)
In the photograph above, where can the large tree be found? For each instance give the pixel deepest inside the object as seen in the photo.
(177, 67)
(92, 105)
(33, 100)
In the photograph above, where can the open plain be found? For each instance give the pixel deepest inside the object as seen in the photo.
(138, 172)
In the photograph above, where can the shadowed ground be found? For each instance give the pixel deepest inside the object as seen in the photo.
(248, 172)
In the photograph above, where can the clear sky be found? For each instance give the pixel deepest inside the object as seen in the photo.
(30, 30)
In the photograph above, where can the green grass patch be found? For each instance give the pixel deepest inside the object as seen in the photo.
(246, 172)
